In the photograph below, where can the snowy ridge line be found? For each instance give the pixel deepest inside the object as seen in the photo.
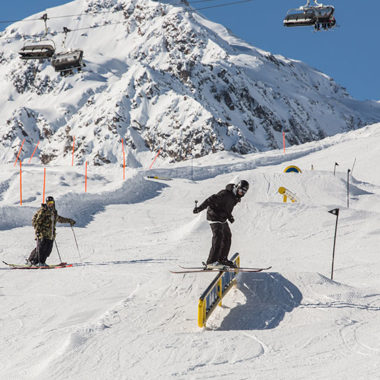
(256, 160)
(83, 207)
(211, 171)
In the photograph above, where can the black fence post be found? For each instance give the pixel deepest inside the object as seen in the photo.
(336, 164)
(335, 211)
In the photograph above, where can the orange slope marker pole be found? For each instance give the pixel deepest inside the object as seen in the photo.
(19, 152)
(43, 189)
(34, 151)
(72, 158)
(85, 179)
(155, 158)
(20, 183)
(283, 140)
(122, 144)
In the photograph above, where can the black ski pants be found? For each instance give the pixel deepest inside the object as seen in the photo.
(42, 251)
(221, 242)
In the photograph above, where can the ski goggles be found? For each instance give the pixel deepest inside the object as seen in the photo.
(50, 202)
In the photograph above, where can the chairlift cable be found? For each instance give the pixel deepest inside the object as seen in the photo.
(223, 5)
(111, 11)
(201, 1)
(86, 14)
(58, 17)
(111, 23)
(70, 61)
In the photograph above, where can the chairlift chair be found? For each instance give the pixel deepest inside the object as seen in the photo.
(66, 62)
(311, 15)
(41, 50)
(300, 17)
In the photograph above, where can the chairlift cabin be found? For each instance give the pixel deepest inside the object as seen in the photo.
(67, 62)
(37, 50)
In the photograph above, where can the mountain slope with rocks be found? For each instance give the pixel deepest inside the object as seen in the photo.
(159, 76)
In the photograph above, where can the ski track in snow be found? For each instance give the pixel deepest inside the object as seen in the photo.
(119, 314)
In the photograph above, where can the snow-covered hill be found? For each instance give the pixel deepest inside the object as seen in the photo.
(120, 314)
(163, 77)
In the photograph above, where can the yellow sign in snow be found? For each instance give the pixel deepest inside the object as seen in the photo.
(287, 193)
(292, 169)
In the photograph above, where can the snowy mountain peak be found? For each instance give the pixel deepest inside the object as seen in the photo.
(160, 76)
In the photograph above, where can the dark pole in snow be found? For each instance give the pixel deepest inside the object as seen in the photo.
(336, 164)
(335, 211)
(348, 188)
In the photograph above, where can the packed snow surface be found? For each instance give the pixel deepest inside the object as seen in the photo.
(119, 313)
(161, 77)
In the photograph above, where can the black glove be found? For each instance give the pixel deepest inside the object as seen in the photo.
(72, 222)
(231, 219)
(196, 210)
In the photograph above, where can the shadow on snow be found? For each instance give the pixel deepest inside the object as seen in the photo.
(268, 297)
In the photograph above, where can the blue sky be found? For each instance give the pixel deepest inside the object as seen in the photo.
(350, 54)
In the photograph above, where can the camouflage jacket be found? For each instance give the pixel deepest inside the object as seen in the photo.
(44, 221)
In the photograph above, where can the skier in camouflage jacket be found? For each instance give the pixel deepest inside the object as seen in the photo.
(44, 222)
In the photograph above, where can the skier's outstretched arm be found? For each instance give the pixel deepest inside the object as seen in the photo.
(213, 201)
(61, 219)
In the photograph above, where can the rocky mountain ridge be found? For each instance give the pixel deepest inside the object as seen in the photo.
(160, 76)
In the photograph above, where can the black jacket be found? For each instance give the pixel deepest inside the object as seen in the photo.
(219, 206)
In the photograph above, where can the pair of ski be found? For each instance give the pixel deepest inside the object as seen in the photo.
(184, 269)
(204, 269)
(26, 266)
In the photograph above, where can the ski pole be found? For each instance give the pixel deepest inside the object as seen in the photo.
(56, 246)
(76, 243)
(38, 249)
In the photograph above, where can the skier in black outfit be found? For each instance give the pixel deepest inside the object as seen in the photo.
(219, 210)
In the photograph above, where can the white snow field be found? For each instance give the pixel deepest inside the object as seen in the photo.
(119, 313)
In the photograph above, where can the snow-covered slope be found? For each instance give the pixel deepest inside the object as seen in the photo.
(162, 77)
(120, 314)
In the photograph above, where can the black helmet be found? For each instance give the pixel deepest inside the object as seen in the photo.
(241, 188)
(49, 199)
